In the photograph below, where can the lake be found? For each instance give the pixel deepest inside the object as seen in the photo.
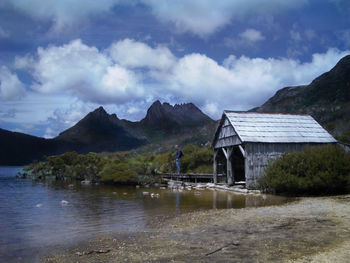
(36, 217)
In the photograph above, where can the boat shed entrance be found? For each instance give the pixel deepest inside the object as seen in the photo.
(244, 142)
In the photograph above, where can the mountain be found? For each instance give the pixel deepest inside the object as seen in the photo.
(326, 98)
(99, 131)
(17, 148)
(164, 120)
(165, 116)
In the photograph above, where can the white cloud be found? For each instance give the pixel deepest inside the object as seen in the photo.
(239, 83)
(247, 38)
(252, 35)
(133, 54)
(120, 84)
(242, 83)
(203, 17)
(10, 86)
(133, 110)
(80, 71)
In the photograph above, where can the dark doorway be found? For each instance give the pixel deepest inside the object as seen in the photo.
(237, 160)
(221, 167)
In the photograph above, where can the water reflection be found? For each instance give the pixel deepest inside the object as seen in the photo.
(34, 217)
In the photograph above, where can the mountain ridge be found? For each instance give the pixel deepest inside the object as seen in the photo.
(99, 131)
(326, 98)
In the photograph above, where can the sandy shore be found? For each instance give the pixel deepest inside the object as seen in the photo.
(309, 230)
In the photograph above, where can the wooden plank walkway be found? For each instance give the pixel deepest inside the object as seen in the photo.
(188, 177)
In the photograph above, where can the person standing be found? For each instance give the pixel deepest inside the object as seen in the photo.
(178, 156)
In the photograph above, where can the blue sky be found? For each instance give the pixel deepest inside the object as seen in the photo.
(60, 60)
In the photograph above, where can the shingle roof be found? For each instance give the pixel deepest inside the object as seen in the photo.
(277, 128)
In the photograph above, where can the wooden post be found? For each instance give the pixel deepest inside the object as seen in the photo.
(230, 180)
(215, 170)
(214, 199)
(229, 200)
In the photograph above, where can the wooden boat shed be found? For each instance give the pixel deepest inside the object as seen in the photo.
(245, 141)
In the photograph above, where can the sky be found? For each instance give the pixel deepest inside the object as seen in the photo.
(60, 60)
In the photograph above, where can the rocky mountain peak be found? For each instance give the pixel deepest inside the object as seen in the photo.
(101, 114)
(164, 114)
(326, 98)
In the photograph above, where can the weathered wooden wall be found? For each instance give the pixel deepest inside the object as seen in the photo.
(259, 154)
(226, 136)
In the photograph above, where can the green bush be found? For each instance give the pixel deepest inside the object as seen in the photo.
(120, 173)
(197, 160)
(68, 165)
(164, 163)
(345, 137)
(318, 170)
(121, 167)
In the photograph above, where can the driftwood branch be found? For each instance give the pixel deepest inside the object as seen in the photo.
(219, 249)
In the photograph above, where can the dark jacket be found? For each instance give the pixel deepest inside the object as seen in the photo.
(178, 154)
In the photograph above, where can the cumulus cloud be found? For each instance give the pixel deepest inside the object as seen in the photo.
(242, 83)
(107, 77)
(249, 37)
(252, 35)
(134, 54)
(81, 71)
(10, 86)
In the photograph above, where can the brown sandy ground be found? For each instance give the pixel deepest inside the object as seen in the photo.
(309, 230)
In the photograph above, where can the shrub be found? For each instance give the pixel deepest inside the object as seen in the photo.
(164, 163)
(114, 172)
(197, 160)
(314, 171)
(121, 167)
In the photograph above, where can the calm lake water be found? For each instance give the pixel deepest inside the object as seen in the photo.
(36, 217)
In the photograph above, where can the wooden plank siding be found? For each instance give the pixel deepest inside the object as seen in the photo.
(249, 140)
(226, 136)
(258, 156)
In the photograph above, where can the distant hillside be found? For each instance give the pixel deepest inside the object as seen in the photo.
(99, 131)
(327, 99)
(18, 148)
(163, 121)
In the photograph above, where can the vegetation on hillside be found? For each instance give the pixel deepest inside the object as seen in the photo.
(318, 170)
(120, 167)
(326, 99)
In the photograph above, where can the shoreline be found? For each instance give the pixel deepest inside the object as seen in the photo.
(312, 229)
